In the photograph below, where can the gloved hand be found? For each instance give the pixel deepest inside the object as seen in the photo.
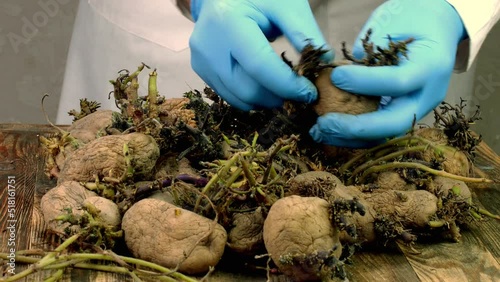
(230, 49)
(414, 87)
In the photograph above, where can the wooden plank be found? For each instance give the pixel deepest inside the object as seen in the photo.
(467, 260)
(380, 265)
(19, 164)
(476, 256)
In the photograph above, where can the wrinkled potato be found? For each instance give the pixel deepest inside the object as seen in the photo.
(297, 226)
(163, 233)
(246, 234)
(410, 208)
(66, 196)
(413, 208)
(442, 186)
(85, 130)
(105, 157)
(455, 161)
(92, 126)
(391, 180)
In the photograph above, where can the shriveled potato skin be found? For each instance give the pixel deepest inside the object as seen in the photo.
(455, 161)
(391, 180)
(411, 208)
(299, 225)
(246, 234)
(104, 157)
(163, 233)
(365, 228)
(442, 186)
(90, 127)
(304, 184)
(69, 194)
(332, 99)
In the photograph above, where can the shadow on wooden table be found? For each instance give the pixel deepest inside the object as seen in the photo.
(474, 258)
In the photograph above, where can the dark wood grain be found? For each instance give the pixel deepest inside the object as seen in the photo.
(370, 266)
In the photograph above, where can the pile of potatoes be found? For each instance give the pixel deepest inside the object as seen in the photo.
(154, 229)
(98, 168)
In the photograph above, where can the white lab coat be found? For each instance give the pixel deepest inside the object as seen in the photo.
(115, 34)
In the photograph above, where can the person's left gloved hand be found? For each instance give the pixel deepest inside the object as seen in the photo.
(412, 89)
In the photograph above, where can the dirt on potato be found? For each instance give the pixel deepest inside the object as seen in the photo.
(193, 178)
(65, 199)
(91, 126)
(245, 235)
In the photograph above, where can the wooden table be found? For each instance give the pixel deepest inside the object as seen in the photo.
(475, 258)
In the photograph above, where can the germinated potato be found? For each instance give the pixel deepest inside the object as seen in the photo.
(105, 157)
(92, 126)
(442, 186)
(453, 160)
(163, 233)
(300, 226)
(65, 198)
(108, 211)
(245, 235)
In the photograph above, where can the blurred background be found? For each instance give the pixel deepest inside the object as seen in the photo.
(34, 46)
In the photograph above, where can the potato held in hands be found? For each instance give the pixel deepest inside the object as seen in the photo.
(334, 100)
(106, 157)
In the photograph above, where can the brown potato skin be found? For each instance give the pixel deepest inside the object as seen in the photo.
(455, 161)
(89, 127)
(69, 194)
(104, 157)
(163, 233)
(332, 99)
(245, 236)
(299, 226)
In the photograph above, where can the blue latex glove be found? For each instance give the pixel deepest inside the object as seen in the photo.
(414, 87)
(230, 49)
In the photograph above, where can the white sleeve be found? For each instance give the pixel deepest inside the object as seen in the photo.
(478, 18)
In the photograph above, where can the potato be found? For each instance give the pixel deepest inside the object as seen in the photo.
(333, 189)
(163, 233)
(455, 161)
(442, 185)
(246, 234)
(413, 209)
(299, 226)
(306, 184)
(105, 157)
(92, 126)
(109, 213)
(332, 99)
(435, 135)
(391, 180)
(67, 196)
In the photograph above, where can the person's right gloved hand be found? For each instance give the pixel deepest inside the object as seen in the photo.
(230, 49)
